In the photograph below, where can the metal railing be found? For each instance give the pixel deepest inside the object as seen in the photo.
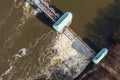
(49, 11)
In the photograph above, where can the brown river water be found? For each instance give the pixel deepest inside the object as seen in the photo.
(26, 43)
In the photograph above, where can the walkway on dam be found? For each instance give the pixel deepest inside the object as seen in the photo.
(84, 54)
(49, 11)
(79, 45)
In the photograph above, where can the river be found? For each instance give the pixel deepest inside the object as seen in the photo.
(26, 42)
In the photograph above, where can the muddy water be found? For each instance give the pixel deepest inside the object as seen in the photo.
(26, 42)
(84, 11)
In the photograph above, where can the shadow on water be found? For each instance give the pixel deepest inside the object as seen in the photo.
(42, 17)
(90, 66)
(45, 19)
(101, 30)
(91, 44)
(56, 9)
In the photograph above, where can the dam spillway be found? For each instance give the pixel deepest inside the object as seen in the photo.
(84, 52)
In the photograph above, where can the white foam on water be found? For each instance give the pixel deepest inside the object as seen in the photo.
(27, 13)
(67, 58)
(64, 48)
(6, 72)
(23, 51)
(17, 55)
(17, 4)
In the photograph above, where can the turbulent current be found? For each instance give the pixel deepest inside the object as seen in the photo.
(30, 49)
(25, 55)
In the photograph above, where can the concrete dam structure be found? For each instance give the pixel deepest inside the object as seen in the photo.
(61, 25)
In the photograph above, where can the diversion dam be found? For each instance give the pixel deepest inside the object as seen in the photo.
(76, 55)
